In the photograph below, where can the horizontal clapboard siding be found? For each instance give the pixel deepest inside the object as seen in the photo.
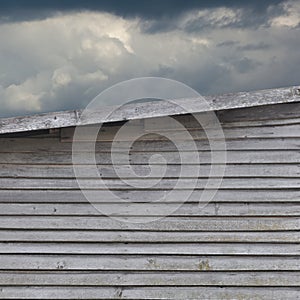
(244, 244)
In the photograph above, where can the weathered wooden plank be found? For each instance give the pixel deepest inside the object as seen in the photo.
(149, 184)
(137, 293)
(150, 109)
(172, 171)
(99, 236)
(148, 263)
(36, 134)
(278, 131)
(280, 278)
(163, 224)
(58, 292)
(193, 122)
(215, 293)
(156, 209)
(54, 145)
(38, 122)
(263, 113)
(76, 196)
(161, 126)
(203, 145)
(232, 157)
(153, 249)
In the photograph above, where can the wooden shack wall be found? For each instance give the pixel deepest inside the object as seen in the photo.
(242, 245)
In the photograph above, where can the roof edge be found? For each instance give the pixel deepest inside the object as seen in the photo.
(150, 109)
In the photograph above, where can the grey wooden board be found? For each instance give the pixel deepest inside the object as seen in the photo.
(99, 236)
(137, 293)
(163, 224)
(232, 157)
(153, 248)
(279, 131)
(158, 128)
(200, 121)
(157, 209)
(266, 112)
(148, 263)
(164, 184)
(150, 109)
(280, 278)
(76, 196)
(54, 145)
(34, 135)
(172, 171)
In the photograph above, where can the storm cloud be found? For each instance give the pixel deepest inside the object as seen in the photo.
(59, 55)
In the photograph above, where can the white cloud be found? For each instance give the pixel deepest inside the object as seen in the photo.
(41, 58)
(214, 17)
(291, 16)
(60, 78)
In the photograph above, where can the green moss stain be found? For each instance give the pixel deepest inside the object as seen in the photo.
(204, 265)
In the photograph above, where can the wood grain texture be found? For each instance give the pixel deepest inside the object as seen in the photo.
(137, 293)
(62, 278)
(39, 171)
(31, 145)
(157, 209)
(142, 158)
(163, 224)
(164, 184)
(197, 263)
(75, 196)
(133, 236)
(216, 249)
(274, 131)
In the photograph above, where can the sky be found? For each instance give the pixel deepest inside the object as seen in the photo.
(58, 55)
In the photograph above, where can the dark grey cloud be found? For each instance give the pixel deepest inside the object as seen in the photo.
(248, 15)
(16, 10)
(245, 64)
(254, 46)
(163, 71)
(228, 43)
(244, 47)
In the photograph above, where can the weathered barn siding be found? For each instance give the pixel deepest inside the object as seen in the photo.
(242, 245)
